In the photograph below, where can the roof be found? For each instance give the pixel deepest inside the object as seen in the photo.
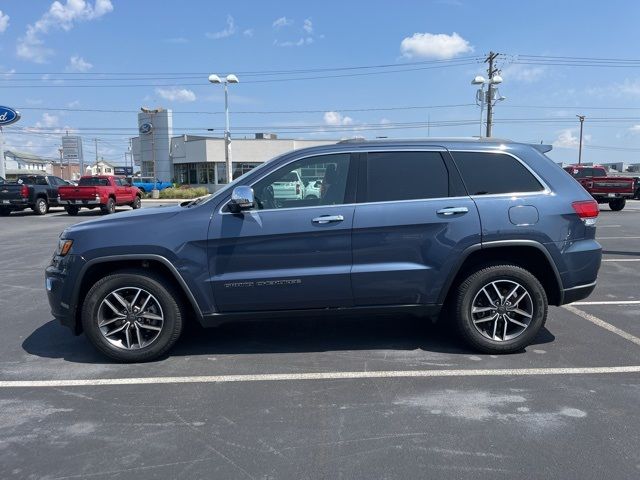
(26, 157)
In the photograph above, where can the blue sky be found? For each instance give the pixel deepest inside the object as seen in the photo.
(52, 54)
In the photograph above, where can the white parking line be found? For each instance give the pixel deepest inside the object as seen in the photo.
(609, 302)
(616, 238)
(621, 260)
(275, 377)
(601, 323)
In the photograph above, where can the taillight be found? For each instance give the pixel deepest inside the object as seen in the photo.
(24, 191)
(587, 210)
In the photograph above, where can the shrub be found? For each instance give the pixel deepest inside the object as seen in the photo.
(183, 193)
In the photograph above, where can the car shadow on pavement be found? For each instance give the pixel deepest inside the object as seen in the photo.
(278, 336)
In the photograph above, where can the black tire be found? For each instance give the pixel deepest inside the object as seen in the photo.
(109, 207)
(5, 212)
(162, 290)
(72, 210)
(41, 207)
(137, 203)
(311, 197)
(617, 204)
(471, 289)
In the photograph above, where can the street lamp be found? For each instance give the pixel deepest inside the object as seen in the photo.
(213, 78)
(155, 193)
(490, 97)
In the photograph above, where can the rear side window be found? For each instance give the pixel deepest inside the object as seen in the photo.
(405, 176)
(494, 173)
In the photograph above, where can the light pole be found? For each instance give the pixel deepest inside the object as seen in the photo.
(213, 78)
(155, 193)
(489, 97)
(581, 118)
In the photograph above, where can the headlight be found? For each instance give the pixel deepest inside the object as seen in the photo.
(64, 245)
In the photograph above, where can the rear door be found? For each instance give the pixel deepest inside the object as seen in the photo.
(287, 253)
(123, 193)
(412, 221)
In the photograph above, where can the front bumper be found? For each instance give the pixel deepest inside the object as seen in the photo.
(60, 286)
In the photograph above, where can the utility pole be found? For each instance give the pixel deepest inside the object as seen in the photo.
(491, 71)
(581, 118)
(96, 141)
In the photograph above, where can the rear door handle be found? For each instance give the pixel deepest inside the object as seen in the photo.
(452, 210)
(328, 219)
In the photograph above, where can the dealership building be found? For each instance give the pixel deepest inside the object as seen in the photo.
(200, 160)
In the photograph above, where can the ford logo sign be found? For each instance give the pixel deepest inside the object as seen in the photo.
(145, 128)
(8, 116)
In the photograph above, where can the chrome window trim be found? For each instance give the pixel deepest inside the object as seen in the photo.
(545, 190)
(350, 152)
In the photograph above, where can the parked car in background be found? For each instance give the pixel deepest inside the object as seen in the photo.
(38, 192)
(146, 184)
(313, 189)
(488, 232)
(289, 187)
(604, 188)
(103, 191)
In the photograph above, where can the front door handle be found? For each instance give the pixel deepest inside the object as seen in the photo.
(328, 219)
(452, 210)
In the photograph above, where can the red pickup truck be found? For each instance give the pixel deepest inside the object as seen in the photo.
(104, 191)
(613, 190)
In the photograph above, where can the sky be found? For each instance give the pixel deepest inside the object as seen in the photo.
(330, 69)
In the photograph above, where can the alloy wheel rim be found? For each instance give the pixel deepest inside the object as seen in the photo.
(130, 318)
(502, 310)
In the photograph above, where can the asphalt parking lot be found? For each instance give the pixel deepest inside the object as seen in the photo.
(322, 398)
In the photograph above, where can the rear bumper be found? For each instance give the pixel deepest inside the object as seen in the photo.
(15, 203)
(580, 292)
(604, 197)
(79, 203)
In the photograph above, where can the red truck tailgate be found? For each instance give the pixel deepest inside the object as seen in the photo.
(605, 185)
(77, 193)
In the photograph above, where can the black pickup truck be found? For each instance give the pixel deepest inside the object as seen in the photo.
(38, 192)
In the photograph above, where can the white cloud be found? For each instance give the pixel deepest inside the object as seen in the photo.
(176, 94)
(78, 64)
(568, 138)
(47, 121)
(307, 26)
(248, 32)
(59, 17)
(229, 30)
(523, 73)
(385, 121)
(434, 45)
(176, 40)
(635, 129)
(73, 104)
(282, 22)
(4, 21)
(336, 118)
(297, 43)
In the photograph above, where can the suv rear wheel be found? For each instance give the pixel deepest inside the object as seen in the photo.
(500, 309)
(132, 316)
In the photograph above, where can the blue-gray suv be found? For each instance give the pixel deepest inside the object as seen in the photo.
(481, 233)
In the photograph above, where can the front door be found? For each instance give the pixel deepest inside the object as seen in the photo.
(293, 250)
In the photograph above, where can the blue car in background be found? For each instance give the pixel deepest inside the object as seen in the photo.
(145, 184)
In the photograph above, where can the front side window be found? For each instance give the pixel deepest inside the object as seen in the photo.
(487, 173)
(393, 176)
(297, 185)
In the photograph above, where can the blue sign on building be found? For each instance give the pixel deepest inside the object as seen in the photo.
(8, 116)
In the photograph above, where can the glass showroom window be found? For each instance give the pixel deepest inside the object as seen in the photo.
(202, 173)
(242, 168)
(193, 173)
(211, 173)
(221, 168)
(180, 173)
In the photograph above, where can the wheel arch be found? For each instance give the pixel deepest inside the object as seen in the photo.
(98, 268)
(528, 254)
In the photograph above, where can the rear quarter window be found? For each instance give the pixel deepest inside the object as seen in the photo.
(486, 173)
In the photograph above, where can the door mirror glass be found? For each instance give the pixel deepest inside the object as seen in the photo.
(241, 199)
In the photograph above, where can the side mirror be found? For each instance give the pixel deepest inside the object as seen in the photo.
(242, 198)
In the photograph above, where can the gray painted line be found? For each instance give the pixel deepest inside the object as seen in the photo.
(609, 302)
(274, 377)
(601, 323)
(616, 238)
(621, 260)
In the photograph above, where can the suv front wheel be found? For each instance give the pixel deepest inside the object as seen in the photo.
(500, 309)
(132, 316)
